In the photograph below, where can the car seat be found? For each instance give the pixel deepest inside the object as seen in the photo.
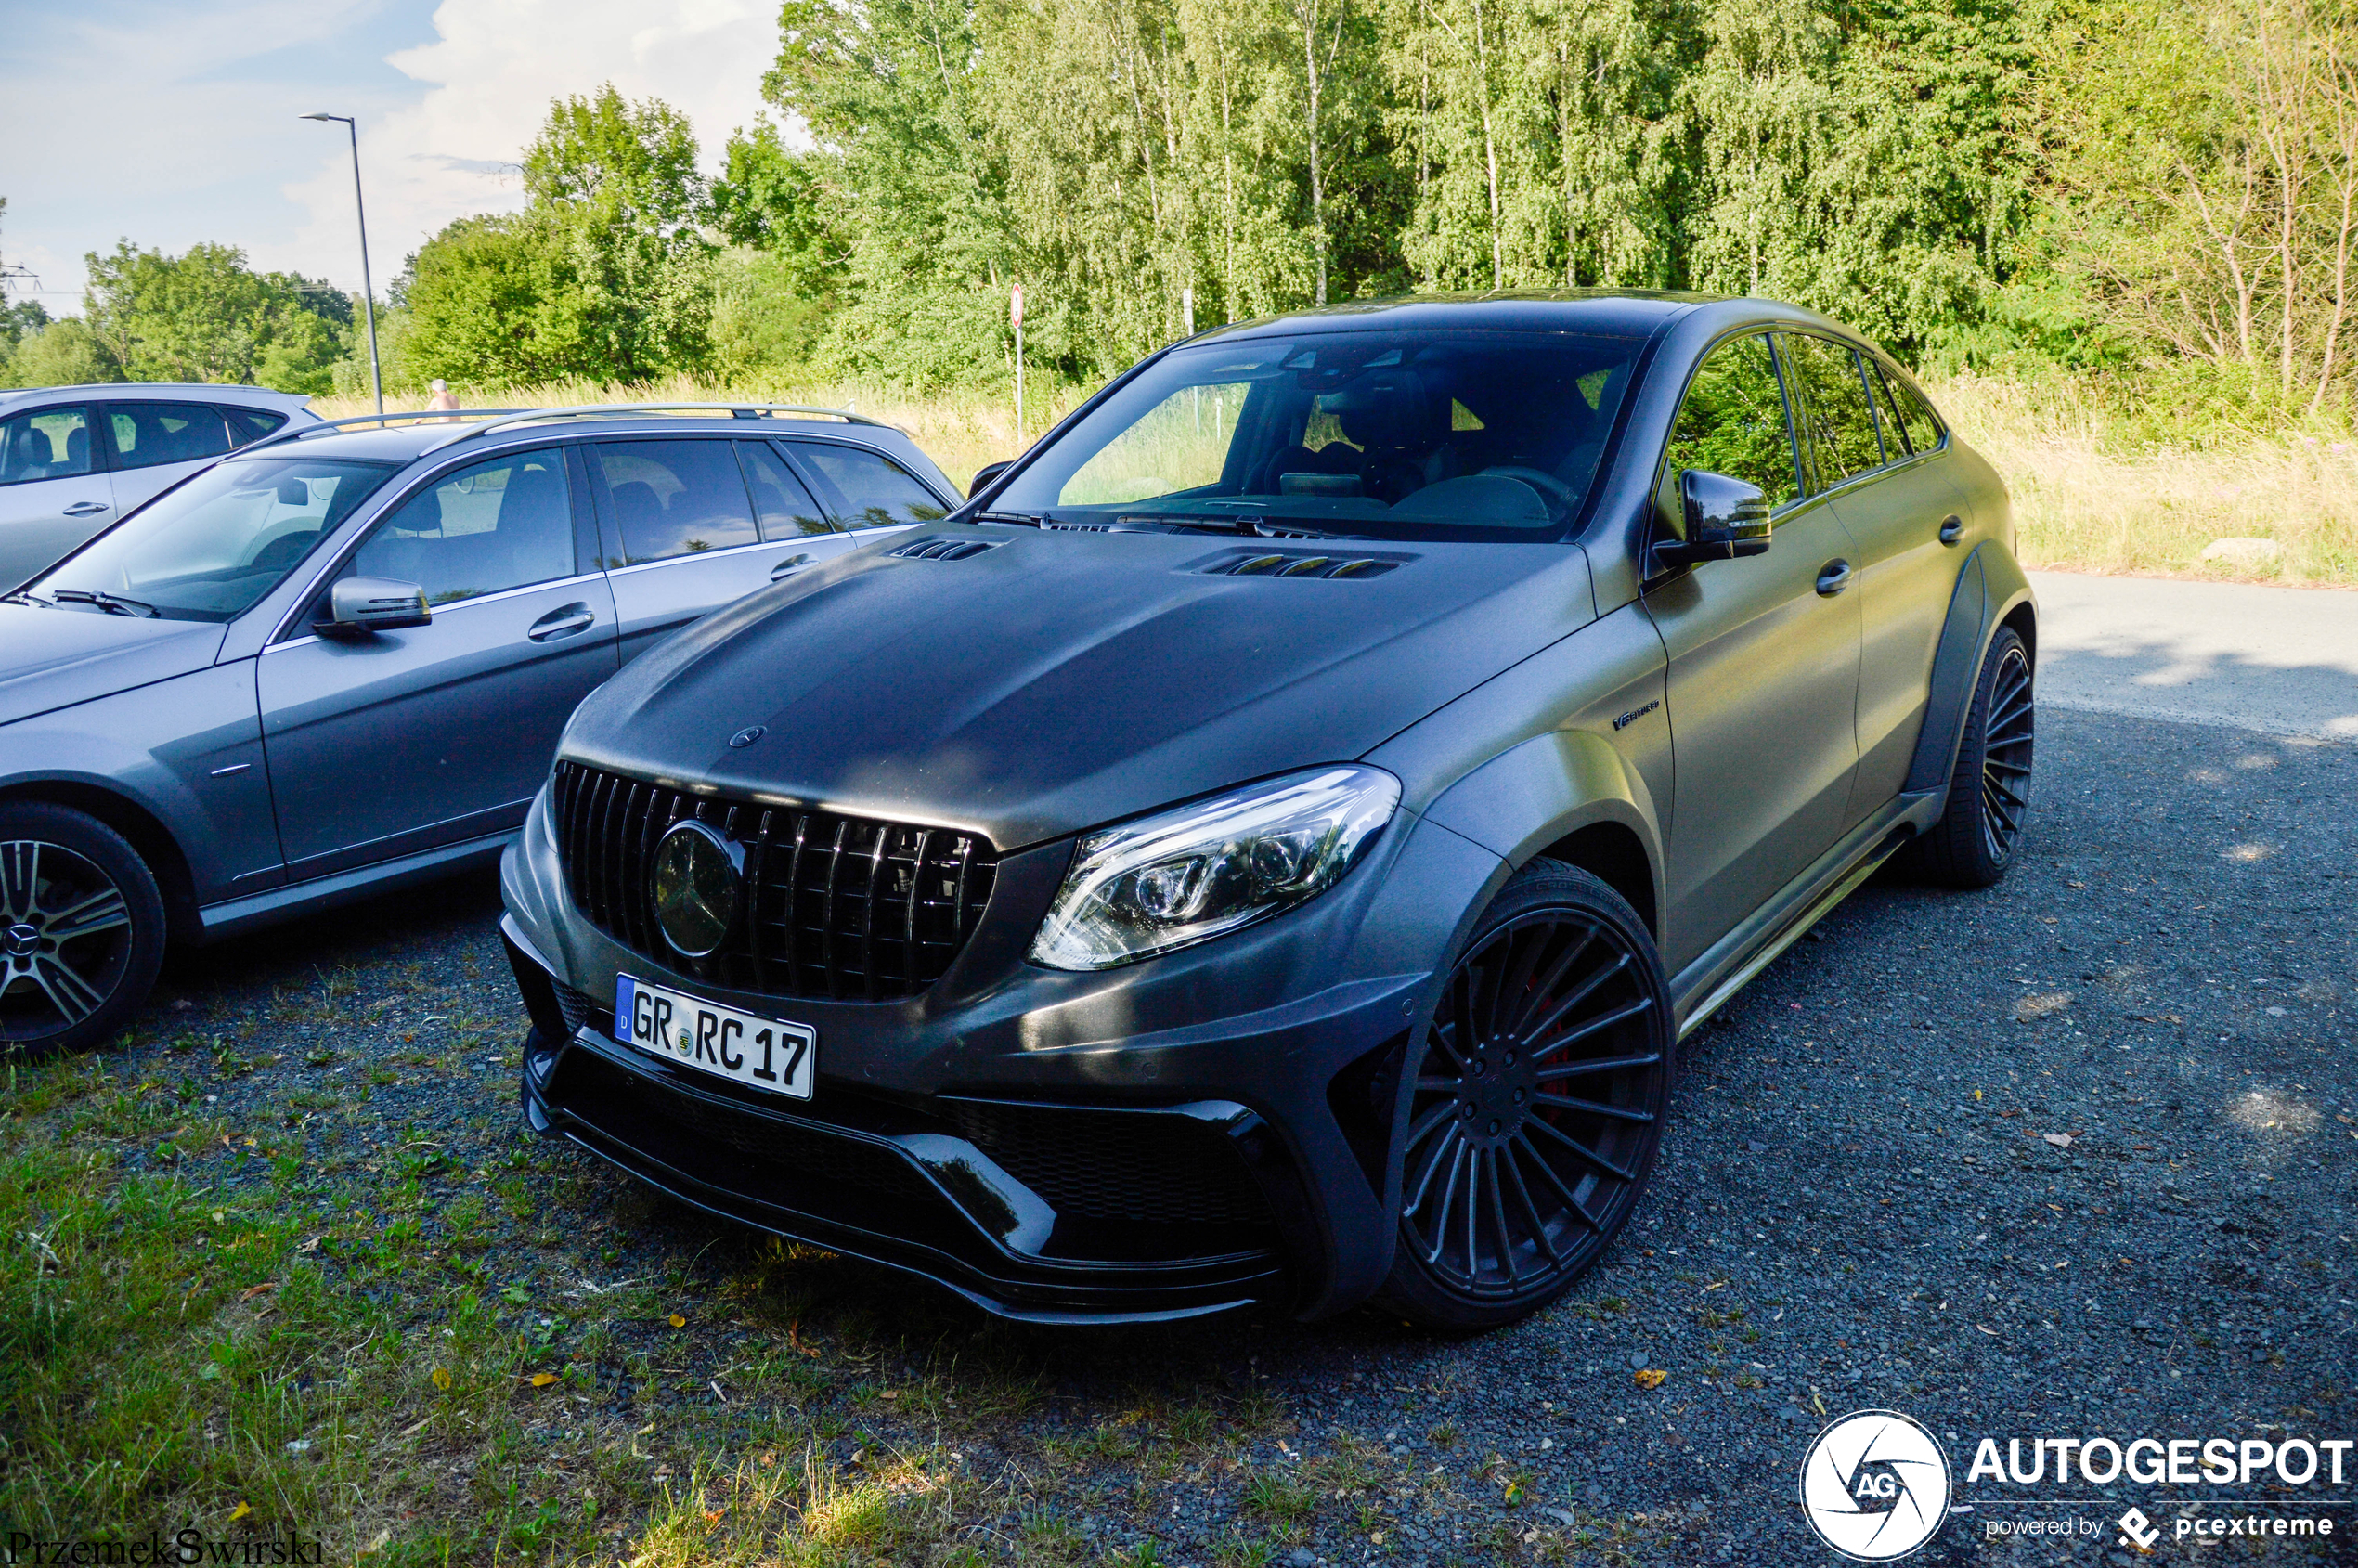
(638, 512)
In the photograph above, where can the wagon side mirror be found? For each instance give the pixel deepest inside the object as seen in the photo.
(359, 607)
(1726, 518)
(985, 476)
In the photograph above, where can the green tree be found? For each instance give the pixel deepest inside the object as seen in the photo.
(205, 315)
(631, 163)
(603, 277)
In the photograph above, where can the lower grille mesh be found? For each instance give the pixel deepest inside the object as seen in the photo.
(1116, 1165)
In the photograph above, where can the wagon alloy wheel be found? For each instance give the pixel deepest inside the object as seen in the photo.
(65, 938)
(81, 929)
(2006, 763)
(1539, 1103)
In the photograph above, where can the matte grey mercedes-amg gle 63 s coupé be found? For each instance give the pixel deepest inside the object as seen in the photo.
(1267, 845)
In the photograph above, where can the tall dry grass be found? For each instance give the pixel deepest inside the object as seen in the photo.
(2088, 494)
(2088, 497)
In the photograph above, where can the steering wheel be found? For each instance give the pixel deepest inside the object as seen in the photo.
(1564, 497)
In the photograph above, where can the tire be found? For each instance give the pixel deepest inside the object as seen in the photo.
(1511, 1189)
(1975, 840)
(82, 930)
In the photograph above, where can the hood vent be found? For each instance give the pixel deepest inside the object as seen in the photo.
(944, 549)
(1297, 564)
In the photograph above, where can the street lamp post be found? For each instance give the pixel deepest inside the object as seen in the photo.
(367, 288)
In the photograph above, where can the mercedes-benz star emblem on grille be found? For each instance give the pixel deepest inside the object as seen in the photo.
(698, 886)
(1875, 1485)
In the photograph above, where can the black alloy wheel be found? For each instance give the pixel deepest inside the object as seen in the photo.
(1974, 842)
(81, 929)
(2005, 753)
(1538, 1105)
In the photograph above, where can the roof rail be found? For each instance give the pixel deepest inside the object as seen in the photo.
(291, 432)
(627, 410)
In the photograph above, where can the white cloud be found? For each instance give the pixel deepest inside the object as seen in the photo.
(490, 73)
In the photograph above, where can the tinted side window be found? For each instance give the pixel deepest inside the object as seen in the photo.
(505, 523)
(250, 424)
(149, 433)
(1733, 421)
(44, 443)
(784, 507)
(676, 497)
(878, 493)
(1915, 416)
(1837, 421)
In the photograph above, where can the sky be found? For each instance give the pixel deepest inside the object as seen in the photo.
(173, 124)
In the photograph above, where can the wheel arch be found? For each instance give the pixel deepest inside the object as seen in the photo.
(1992, 590)
(1566, 796)
(146, 832)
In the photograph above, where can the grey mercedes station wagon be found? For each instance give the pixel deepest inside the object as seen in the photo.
(339, 660)
(1268, 845)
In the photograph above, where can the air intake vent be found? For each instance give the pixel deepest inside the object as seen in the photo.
(944, 549)
(1294, 563)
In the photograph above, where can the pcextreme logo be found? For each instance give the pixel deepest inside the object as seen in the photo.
(1875, 1485)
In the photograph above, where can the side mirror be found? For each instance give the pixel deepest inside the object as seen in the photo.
(1726, 518)
(359, 607)
(985, 474)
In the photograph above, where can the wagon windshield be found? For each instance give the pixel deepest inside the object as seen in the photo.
(1433, 434)
(207, 550)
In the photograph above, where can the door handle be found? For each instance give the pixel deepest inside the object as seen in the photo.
(85, 508)
(1952, 528)
(564, 621)
(1833, 578)
(789, 567)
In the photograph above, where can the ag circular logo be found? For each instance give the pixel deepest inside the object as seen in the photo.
(1875, 1485)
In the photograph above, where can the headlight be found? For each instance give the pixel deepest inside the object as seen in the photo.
(1190, 874)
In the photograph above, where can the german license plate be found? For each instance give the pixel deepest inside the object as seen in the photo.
(781, 1058)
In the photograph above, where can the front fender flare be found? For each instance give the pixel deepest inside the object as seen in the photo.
(1990, 587)
(1546, 789)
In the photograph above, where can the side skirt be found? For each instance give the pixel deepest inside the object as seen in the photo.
(237, 915)
(1706, 986)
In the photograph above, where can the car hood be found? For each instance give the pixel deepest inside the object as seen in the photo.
(54, 658)
(1059, 681)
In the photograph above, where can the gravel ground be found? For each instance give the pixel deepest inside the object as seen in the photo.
(2074, 1157)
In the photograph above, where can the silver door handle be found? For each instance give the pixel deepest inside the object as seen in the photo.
(564, 621)
(1952, 528)
(1833, 578)
(85, 508)
(789, 567)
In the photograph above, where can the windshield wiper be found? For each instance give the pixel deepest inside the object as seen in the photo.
(1019, 519)
(113, 603)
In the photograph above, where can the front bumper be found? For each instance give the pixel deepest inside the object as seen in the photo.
(1180, 1136)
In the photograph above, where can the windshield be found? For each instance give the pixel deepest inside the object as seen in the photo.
(1426, 435)
(208, 549)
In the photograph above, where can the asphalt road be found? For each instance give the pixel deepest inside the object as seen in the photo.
(2283, 661)
(2070, 1157)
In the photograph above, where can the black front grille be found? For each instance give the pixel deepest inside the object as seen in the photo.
(1116, 1165)
(842, 908)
